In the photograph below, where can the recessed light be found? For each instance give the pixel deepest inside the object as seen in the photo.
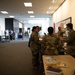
(47, 12)
(30, 12)
(4, 12)
(11, 16)
(31, 16)
(28, 4)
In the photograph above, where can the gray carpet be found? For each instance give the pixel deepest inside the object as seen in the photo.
(16, 59)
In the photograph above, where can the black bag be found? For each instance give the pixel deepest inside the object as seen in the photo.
(29, 43)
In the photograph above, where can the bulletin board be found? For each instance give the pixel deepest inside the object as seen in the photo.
(63, 23)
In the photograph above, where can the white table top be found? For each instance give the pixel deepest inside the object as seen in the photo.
(67, 59)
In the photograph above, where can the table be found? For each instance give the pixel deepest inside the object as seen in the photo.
(69, 60)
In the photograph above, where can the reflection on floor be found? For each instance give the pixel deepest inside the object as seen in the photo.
(25, 39)
(20, 40)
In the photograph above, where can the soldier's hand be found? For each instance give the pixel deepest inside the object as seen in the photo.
(61, 38)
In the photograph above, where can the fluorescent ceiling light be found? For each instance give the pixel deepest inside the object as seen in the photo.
(30, 12)
(53, 1)
(48, 12)
(31, 16)
(4, 12)
(28, 4)
(36, 21)
(11, 16)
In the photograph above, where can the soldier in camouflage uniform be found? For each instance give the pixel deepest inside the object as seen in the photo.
(49, 43)
(60, 32)
(70, 40)
(34, 46)
(61, 43)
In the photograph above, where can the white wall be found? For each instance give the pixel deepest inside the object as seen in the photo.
(2, 26)
(65, 11)
(44, 24)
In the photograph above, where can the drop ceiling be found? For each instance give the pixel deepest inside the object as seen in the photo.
(17, 8)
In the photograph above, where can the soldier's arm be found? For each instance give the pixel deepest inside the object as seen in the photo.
(36, 38)
(71, 38)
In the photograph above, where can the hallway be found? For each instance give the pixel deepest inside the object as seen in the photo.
(16, 59)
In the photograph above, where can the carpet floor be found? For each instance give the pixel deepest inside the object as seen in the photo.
(16, 59)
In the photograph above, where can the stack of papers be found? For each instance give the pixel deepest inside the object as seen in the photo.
(54, 70)
(50, 61)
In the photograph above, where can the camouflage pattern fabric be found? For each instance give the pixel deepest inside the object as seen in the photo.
(34, 46)
(60, 33)
(34, 42)
(71, 43)
(49, 45)
(60, 42)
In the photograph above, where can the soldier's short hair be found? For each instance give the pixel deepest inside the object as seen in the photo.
(70, 25)
(34, 27)
(50, 30)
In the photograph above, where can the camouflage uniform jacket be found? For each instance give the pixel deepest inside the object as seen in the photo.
(71, 43)
(34, 42)
(60, 33)
(60, 44)
(49, 45)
